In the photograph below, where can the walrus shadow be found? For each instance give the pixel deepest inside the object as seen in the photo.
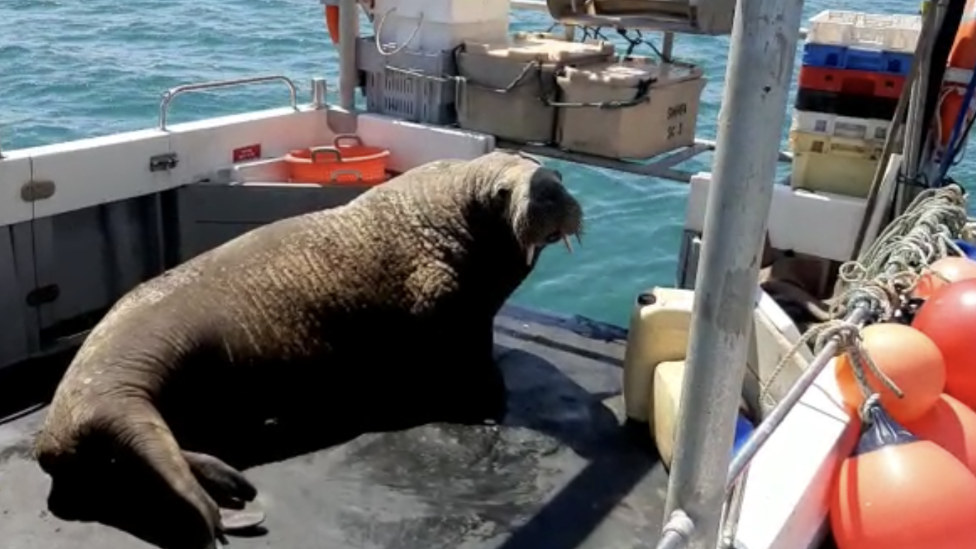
(548, 476)
(559, 457)
(618, 456)
(126, 496)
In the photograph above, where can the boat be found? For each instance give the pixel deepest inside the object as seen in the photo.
(576, 464)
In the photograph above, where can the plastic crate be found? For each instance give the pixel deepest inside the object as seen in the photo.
(856, 106)
(663, 120)
(877, 84)
(447, 11)
(833, 125)
(504, 87)
(858, 59)
(413, 85)
(435, 25)
(896, 33)
(836, 165)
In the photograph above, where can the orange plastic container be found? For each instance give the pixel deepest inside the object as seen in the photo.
(348, 160)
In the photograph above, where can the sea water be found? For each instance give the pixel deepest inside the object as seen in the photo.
(70, 70)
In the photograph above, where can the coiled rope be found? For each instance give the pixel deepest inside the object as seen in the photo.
(884, 275)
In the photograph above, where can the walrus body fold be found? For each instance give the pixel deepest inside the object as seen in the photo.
(395, 289)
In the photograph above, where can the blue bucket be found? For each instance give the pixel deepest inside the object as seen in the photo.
(743, 428)
(967, 249)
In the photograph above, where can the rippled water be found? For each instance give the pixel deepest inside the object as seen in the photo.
(70, 70)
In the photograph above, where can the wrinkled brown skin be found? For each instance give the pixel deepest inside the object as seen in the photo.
(407, 276)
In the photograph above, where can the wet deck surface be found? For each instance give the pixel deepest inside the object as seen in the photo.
(560, 473)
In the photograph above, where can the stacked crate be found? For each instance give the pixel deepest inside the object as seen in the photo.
(409, 65)
(853, 72)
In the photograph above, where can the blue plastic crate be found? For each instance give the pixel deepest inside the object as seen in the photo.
(856, 59)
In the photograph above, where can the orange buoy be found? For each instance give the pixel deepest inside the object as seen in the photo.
(961, 56)
(948, 318)
(952, 425)
(899, 492)
(942, 272)
(332, 22)
(909, 358)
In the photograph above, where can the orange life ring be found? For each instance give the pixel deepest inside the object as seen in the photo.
(962, 56)
(332, 22)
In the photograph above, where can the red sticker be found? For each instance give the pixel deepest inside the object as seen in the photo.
(249, 152)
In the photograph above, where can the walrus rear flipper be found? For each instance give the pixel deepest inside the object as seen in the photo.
(143, 434)
(229, 488)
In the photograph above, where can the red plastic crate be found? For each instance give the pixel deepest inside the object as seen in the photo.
(851, 82)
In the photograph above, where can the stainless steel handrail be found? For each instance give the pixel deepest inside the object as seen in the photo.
(171, 93)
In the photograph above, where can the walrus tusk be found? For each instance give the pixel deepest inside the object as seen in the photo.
(529, 254)
(568, 245)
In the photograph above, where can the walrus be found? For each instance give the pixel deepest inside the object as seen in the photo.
(400, 284)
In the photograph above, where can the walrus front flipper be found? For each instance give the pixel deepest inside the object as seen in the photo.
(226, 485)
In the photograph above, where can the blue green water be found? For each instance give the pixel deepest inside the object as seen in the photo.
(70, 70)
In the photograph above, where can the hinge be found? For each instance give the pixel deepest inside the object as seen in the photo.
(37, 189)
(163, 162)
(42, 295)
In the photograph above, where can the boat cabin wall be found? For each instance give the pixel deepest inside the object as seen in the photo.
(105, 214)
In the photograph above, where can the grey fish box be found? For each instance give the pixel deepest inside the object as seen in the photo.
(417, 86)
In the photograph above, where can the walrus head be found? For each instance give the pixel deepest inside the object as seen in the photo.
(537, 205)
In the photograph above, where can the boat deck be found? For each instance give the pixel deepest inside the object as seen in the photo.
(560, 473)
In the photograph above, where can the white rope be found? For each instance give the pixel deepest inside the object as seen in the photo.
(884, 275)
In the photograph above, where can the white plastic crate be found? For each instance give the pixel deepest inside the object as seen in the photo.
(896, 33)
(663, 121)
(437, 25)
(832, 164)
(833, 125)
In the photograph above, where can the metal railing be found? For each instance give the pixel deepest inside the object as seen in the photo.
(172, 93)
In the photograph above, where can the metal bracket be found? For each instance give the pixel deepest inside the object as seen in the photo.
(340, 120)
(37, 189)
(163, 162)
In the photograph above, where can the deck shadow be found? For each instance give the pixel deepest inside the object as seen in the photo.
(559, 472)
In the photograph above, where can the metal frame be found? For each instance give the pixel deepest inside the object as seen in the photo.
(662, 166)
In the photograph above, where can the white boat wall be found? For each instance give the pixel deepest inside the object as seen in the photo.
(119, 209)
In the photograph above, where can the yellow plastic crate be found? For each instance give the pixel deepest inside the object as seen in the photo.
(839, 165)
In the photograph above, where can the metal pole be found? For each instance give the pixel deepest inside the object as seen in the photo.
(760, 70)
(319, 93)
(348, 34)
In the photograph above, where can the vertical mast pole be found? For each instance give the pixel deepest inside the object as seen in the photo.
(757, 83)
